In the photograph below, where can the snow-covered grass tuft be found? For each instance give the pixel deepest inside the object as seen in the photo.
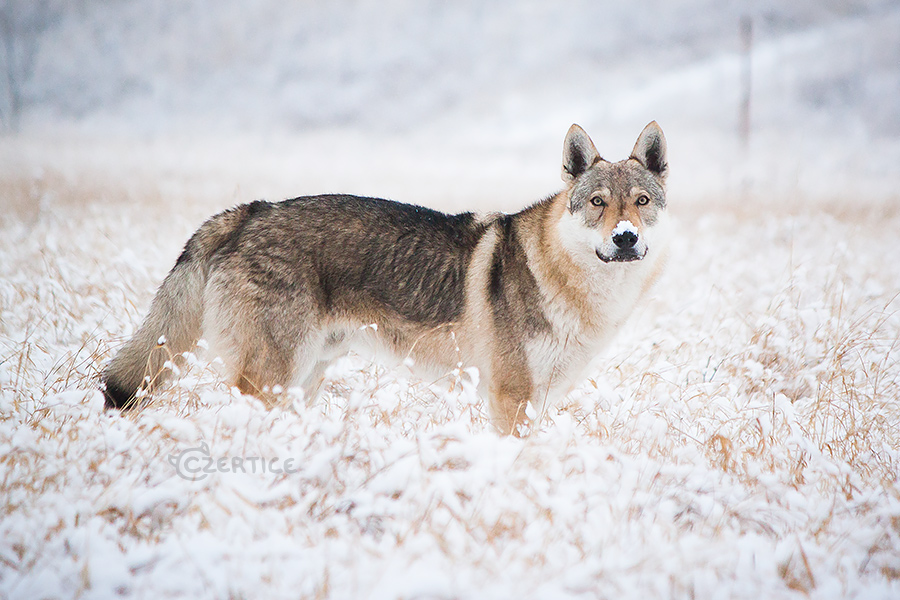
(740, 439)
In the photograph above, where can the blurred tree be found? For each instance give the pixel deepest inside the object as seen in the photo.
(21, 23)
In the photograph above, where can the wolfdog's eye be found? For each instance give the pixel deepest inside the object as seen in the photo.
(644, 200)
(597, 201)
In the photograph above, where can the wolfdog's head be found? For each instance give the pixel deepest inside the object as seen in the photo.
(611, 206)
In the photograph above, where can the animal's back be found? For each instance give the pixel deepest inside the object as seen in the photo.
(352, 250)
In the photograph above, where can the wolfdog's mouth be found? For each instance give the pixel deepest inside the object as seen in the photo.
(621, 256)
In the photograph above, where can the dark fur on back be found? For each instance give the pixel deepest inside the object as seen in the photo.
(360, 250)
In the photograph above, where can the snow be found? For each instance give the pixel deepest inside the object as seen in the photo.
(738, 440)
(624, 226)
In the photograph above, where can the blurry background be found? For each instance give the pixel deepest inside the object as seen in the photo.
(466, 103)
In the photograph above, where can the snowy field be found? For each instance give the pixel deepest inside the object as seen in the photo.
(739, 439)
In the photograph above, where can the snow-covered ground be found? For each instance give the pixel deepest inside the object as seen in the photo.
(740, 439)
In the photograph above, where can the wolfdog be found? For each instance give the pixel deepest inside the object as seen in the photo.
(280, 289)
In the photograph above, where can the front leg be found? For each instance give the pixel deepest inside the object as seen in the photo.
(510, 390)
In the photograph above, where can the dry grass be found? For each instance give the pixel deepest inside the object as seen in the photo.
(740, 439)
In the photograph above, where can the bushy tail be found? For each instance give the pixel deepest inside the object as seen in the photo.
(172, 327)
(176, 314)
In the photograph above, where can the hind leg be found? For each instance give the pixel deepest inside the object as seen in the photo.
(331, 345)
(272, 361)
(312, 383)
(263, 373)
(264, 337)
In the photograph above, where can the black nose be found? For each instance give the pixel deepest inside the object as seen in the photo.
(625, 240)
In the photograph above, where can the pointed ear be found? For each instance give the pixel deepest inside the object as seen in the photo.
(650, 150)
(579, 153)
